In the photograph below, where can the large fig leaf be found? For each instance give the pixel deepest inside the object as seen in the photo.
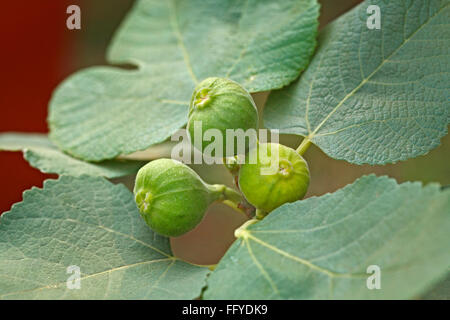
(322, 247)
(373, 95)
(43, 155)
(94, 225)
(102, 112)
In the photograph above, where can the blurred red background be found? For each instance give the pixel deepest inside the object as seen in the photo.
(37, 53)
(36, 49)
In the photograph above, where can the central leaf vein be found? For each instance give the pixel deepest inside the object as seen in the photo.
(303, 261)
(178, 35)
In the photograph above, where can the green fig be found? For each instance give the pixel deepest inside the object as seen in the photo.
(268, 181)
(222, 104)
(171, 197)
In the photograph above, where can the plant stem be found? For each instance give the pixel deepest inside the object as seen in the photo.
(260, 214)
(241, 230)
(303, 146)
(228, 196)
(234, 206)
(231, 165)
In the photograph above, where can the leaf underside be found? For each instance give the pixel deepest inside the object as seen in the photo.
(95, 225)
(102, 112)
(321, 247)
(43, 155)
(373, 96)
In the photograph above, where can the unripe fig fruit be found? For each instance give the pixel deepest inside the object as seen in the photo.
(273, 181)
(221, 104)
(171, 197)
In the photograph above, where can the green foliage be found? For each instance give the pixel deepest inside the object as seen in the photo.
(102, 112)
(320, 248)
(439, 292)
(95, 225)
(373, 96)
(43, 155)
(368, 96)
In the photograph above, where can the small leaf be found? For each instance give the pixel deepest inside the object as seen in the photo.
(102, 112)
(92, 224)
(43, 155)
(321, 247)
(373, 96)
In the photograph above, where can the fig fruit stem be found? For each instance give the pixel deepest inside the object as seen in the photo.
(231, 165)
(306, 142)
(228, 196)
(260, 214)
(234, 206)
